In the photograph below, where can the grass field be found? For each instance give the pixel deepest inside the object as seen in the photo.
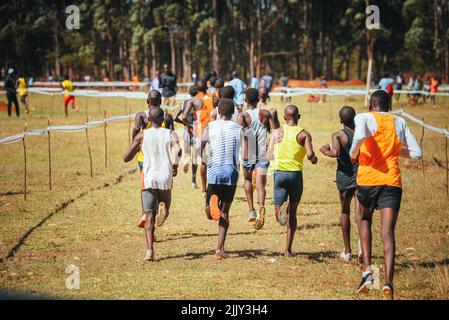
(91, 222)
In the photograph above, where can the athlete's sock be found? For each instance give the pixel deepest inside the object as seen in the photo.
(194, 170)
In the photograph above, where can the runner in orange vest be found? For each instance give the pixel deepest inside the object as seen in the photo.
(380, 138)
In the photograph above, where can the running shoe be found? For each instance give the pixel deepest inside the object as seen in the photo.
(77, 109)
(283, 214)
(186, 165)
(161, 215)
(194, 185)
(260, 219)
(345, 256)
(142, 221)
(366, 283)
(221, 255)
(387, 290)
(215, 211)
(252, 216)
(149, 256)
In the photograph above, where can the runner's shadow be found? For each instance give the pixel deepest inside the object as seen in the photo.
(309, 226)
(190, 235)
(424, 264)
(246, 254)
(320, 257)
(12, 193)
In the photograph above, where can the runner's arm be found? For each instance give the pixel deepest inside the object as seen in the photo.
(309, 147)
(186, 112)
(266, 118)
(334, 151)
(410, 148)
(138, 125)
(169, 123)
(177, 152)
(134, 148)
(360, 135)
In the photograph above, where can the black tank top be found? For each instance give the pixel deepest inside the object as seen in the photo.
(345, 164)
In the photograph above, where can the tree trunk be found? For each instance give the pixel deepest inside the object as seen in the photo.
(215, 57)
(57, 49)
(186, 57)
(153, 59)
(370, 54)
(146, 73)
(173, 52)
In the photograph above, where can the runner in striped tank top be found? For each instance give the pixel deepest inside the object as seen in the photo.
(223, 138)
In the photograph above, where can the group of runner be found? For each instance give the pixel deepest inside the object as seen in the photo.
(220, 137)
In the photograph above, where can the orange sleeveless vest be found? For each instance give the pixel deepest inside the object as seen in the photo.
(379, 155)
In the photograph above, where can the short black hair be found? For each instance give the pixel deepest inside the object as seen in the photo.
(156, 114)
(347, 115)
(202, 85)
(212, 81)
(193, 91)
(154, 98)
(264, 93)
(227, 92)
(381, 99)
(252, 96)
(226, 107)
(219, 83)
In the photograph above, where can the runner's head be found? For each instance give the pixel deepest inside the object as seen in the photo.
(166, 68)
(227, 92)
(193, 91)
(156, 116)
(226, 108)
(291, 114)
(202, 86)
(347, 115)
(380, 101)
(252, 96)
(235, 74)
(219, 83)
(264, 94)
(212, 81)
(154, 99)
(66, 77)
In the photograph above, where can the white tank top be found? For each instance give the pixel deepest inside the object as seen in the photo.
(157, 165)
(256, 134)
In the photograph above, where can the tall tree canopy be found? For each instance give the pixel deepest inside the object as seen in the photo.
(302, 38)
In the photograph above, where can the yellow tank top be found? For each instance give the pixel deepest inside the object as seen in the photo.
(22, 87)
(140, 153)
(289, 154)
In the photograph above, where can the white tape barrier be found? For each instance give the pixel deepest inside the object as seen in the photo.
(421, 123)
(110, 84)
(291, 92)
(66, 128)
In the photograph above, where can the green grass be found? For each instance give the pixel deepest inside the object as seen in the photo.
(97, 230)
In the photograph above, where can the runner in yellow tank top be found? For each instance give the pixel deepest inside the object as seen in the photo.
(288, 147)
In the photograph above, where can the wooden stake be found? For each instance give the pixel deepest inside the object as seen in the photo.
(87, 105)
(25, 164)
(129, 128)
(88, 149)
(447, 166)
(126, 105)
(52, 104)
(49, 157)
(105, 142)
(421, 143)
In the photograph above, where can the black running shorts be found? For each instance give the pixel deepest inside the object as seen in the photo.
(380, 197)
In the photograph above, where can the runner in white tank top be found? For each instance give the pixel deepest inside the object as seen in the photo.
(256, 122)
(162, 152)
